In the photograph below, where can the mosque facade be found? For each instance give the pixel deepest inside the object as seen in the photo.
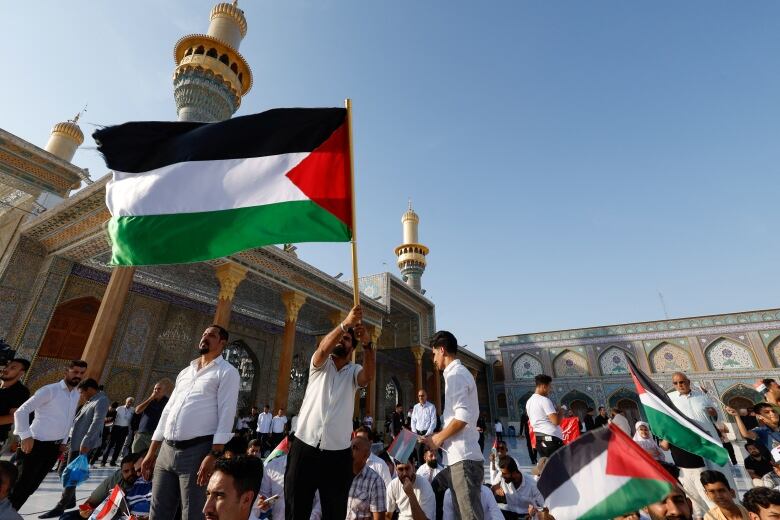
(723, 354)
(61, 300)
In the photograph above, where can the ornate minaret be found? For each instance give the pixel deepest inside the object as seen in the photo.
(211, 76)
(411, 254)
(65, 139)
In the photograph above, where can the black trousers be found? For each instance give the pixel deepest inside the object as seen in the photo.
(420, 450)
(310, 469)
(117, 441)
(531, 449)
(33, 468)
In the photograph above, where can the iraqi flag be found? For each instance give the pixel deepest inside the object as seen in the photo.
(603, 474)
(189, 192)
(670, 424)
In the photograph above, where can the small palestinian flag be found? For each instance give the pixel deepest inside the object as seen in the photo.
(670, 424)
(188, 192)
(402, 446)
(603, 474)
(283, 448)
(114, 507)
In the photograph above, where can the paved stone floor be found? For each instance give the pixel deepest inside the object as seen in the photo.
(48, 494)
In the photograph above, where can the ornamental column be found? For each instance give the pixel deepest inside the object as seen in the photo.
(292, 303)
(374, 332)
(418, 376)
(229, 276)
(102, 334)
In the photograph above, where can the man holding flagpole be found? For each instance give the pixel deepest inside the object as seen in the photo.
(320, 456)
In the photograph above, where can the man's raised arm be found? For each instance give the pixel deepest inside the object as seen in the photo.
(333, 338)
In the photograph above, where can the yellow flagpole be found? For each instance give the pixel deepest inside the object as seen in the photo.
(355, 286)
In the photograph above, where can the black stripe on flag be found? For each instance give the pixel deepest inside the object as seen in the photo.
(141, 146)
(570, 459)
(652, 388)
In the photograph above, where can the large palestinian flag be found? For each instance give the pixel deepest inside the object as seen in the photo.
(670, 424)
(187, 192)
(601, 475)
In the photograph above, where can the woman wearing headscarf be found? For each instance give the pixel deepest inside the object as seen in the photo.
(644, 438)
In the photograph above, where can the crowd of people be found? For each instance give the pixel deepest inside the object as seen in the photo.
(184, 452)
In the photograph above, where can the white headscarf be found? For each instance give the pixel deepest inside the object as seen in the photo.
(647, 444)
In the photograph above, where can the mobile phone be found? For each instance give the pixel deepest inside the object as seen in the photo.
(272, 499)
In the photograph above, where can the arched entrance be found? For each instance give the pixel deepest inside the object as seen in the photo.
(628, 402)
(578, 402)
(69, 329)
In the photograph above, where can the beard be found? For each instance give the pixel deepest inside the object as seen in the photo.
(340, 351)
(432, 463)
(203, 348)
(74, 381)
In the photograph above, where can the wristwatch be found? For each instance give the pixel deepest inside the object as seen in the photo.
(217, 453)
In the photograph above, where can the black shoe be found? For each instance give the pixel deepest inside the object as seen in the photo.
(54, 513)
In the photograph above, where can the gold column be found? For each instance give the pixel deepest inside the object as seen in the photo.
(292, 303)
(102, 333)
(418, 376)
(229, 276)
(374, 332)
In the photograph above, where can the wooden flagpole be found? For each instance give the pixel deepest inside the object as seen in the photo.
(355, 285)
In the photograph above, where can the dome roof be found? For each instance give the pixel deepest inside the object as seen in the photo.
(232, 11)
(71, 129)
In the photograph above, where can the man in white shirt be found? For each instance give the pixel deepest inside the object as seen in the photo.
(412, 497)
(264, 427)
(320, 456)
(490, 508)
(544, 418)
(124, 414)
(374, 462)
(495, 471)
(423, 420)
(193, 429)
(459, 439)
(693, 403)
(430, 467)
(278, 424)
(619, 420)
(43, 440)
(517, 490)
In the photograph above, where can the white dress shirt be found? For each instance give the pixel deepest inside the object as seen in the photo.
(495, 471)
(694, 405)
(424, 418)
(203, 402)
(518, 499)
(124, 414)
(277, 423)
(55, 408)
(273, 484)
(264, 422)
(460, 398)
(397, 499)
(428, 473)
(380, 467)
(490, 508)
(328, 404)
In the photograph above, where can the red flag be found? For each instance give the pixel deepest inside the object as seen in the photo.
(570, 426)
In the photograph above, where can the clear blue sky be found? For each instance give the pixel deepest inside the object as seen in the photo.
(568, 159)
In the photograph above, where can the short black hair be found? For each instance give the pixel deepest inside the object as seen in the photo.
(446, 339)
(23, 362)
(115, 404)
(77, 363)
(542, 379)
(89, 383)
(255, 443)
(508, 463)
(768, 382)
(223, 333)
(367, 431)
(237, 445)
(760, 406)
(589, 410)
(760, 498)
(247, 472)
(601, 408)
(8, 472)
(711, 476)
(131, 458)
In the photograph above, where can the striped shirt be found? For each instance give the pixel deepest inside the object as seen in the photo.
(366, 495)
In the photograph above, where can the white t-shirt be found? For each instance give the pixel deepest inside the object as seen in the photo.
(460, 402)
(538, 408)
(397, 499)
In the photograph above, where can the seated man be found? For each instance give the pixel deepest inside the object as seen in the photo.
(235, 447)
(367, 492)
(273, 485)
(430, 467)
(232, 488)
(518, 491)
(757, 463)
(412, 497)
(374, 462)
(490, 508)
(255, 448)
(762, 503)
(718, 490)
(128, 472)
(675, 506)
(495, 473)
(8, 475)
(772, 478)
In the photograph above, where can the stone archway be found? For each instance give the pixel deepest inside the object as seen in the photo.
(578, 402)
(69, 327)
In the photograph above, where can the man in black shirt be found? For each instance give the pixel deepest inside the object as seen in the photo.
(590, 423)
(757, 463)
(525, 432)
(601, 419)
(12, 394)
(150, 411)
(398, 419)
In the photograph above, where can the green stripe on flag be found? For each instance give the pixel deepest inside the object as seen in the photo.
(667, 428)
(633, 495)
(193, 237)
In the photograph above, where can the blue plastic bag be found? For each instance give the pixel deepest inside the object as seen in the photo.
(76, 472)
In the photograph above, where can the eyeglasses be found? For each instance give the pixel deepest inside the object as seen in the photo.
(421, 395)
(681, 382)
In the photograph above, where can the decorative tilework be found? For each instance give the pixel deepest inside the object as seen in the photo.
(774, 351)
(570, 364)
(526, 367)
(725, 354)
(122, 383)
(613, 361)
(670, 358)
(44, 371)
(135, 338)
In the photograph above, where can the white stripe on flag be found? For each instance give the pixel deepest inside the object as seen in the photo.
(198, 186)
(651, 400)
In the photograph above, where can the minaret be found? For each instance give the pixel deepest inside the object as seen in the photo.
(65, 139)
(211, 76)
(411, 254)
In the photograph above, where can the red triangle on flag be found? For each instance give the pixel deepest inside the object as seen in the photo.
(324, 176)
(625, 458)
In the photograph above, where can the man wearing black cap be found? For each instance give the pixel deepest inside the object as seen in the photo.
(459, 439)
